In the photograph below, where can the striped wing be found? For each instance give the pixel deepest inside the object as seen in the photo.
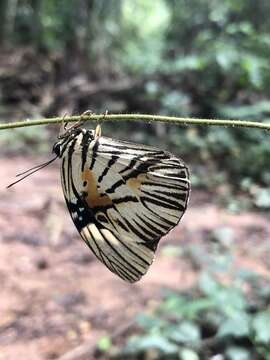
(123, 198)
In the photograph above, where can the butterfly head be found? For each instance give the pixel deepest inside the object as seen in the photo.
(72, 134)
(66, 138)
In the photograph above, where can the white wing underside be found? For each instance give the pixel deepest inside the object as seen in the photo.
(144, 207)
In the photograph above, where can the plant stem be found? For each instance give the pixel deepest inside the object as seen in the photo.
(140, 117)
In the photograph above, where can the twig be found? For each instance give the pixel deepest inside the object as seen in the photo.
(80, 352)
(141, 117)
(85, 350)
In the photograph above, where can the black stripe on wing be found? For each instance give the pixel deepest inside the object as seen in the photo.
(115, 254)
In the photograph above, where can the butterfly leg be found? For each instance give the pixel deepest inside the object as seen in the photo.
(98, 127)
(97, 131)
(87, 113)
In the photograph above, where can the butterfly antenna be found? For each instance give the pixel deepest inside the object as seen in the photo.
(32, 171)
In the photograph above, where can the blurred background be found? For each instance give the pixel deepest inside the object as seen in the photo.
(207, 294)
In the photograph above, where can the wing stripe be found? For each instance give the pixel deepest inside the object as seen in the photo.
(121, 265)
(125, 270)
(130, 146)
(94, 150)
(165, 228)
(121, 259)
(121, 224)
(126, 199)
(86, 238)
(138, 233)
(175, 195)
(87, 137)
(166, 202)
(111, 162)
(87, 235)
(116, 185)
(163, 205)
(131, 164)
(113, 240)
(170, 223)
(126, 246)
(150, 226)
(90, 240)
(69, 164)
(145, 230)
(65, 145)
(103, 257)
(124, 274)
(142, 168)
(167, 185)
(168, 166)
(64, 183)
(139, 258)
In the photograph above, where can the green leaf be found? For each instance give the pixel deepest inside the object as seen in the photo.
(264, 292)
(104, 343)
(208, 285)
(236, 327)
(185, 307)
(150, 322)
(142, 343)
(188, 354)
(230, 301)
(186, 332)
(262, 198)
(237, 353)
(192, 308)
(173, 303)
(261, 327)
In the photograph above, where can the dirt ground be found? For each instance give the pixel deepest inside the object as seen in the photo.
(55, 296)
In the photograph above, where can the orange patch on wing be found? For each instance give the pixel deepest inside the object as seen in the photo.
(135, 183)
(93, 198)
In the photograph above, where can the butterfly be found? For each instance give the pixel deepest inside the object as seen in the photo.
(122, 197)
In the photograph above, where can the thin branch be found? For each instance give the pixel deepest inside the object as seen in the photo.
(86, 350)
(140, 117)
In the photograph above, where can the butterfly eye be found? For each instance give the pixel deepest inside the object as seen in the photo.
(57, 149)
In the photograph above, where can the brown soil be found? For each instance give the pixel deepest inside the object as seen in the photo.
(55, 295)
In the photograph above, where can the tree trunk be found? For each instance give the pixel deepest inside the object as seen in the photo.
(3, 21)
(37, 25)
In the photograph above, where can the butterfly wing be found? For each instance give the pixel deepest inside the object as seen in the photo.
(123, 198)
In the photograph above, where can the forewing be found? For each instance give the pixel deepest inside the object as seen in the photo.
(123, 198)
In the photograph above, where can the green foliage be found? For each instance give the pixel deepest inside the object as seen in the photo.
(138, 40)
(225, 60)
(104, 344)
(210, 320)
(213, 60)
(21, 140)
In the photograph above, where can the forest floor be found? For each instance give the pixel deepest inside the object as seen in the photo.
(55, 296)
